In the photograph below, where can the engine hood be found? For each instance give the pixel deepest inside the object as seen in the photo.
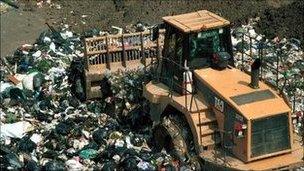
(232, 85)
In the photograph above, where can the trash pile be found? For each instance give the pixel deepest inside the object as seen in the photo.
(44, 127)
(3, 7)
(6, 5)
(282, 55)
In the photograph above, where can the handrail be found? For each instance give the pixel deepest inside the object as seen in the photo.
(266, 65)
(177, 64)
(172, 83)
(199, 118)
(177, 84)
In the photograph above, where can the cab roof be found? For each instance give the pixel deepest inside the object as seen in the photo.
(196, 21)
(232, 86)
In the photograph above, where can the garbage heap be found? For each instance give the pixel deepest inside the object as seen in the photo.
(44, 127)
(6, 5)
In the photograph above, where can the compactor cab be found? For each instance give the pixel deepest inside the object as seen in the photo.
(200, 101)
(195, 40)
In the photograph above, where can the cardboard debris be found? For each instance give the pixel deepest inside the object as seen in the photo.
(13, 79)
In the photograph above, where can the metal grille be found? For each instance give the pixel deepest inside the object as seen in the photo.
(270, 135)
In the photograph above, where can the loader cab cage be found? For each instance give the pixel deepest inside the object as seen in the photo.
(188, 50)
(198, 47)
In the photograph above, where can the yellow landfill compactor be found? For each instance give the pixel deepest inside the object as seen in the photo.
(236, 121)
(205, 111)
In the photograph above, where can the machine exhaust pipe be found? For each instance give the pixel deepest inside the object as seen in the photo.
(255, 70)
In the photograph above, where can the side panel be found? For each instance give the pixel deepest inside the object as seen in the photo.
(240, 143)
(232, 141)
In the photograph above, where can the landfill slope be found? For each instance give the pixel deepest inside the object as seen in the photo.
(19, 27)
(286, 21)
(26, 22)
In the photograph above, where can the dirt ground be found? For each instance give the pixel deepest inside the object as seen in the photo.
(279, 17)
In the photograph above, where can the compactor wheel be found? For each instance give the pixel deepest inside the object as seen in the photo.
(77, 80)
(79, 88)
(173, 135)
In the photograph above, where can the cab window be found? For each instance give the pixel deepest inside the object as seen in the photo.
(204, 44)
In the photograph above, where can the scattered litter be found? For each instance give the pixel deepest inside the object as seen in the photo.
(54, 165)
(118, 29)
(142, 165)
(10, 3)
(36, 138)
(74, 165)
(32, 81)
(37, 54)
(53, 47)
(88, 154)
(26, 145)
(15, 130)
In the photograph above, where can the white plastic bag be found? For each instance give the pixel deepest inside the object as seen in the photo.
(15, 130)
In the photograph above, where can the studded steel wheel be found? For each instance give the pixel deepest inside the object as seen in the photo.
(173, 135)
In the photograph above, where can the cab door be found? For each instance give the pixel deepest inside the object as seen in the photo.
(172, 63)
